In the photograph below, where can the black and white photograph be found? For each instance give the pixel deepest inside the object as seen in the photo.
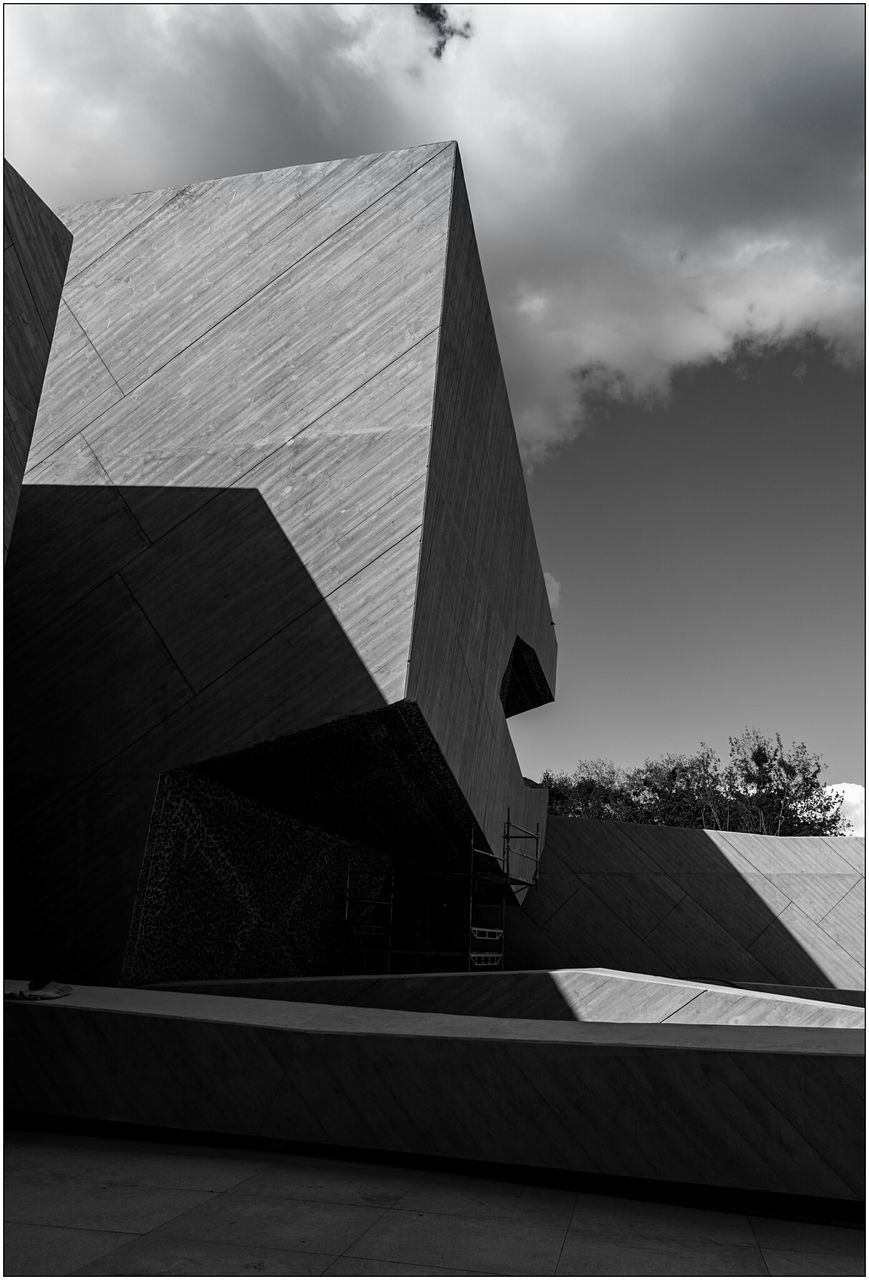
(434, 639)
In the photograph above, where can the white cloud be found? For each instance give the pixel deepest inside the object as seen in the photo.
(854, 806)
(553, 590)
(649, 182)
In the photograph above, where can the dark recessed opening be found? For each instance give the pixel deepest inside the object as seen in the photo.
(524, 685)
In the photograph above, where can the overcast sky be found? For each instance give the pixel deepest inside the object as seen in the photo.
(668, 202)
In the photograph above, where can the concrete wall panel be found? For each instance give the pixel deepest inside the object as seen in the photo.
(124, 296)
(78, 389)
(36, 248)
(274, 447)
(235, 534)
(723, 905)
(480, 582)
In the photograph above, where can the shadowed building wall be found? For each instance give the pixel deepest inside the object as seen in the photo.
(705, 905)
(273, 488)
(36, 248)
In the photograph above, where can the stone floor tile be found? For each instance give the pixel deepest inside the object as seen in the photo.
(649, 1218)
(377, 1267)
(812, 1237)
(500, 1247)
(332, 1181)
(96, 1206)
(312, 1227)
(488, 1198)
(196, 1170)
(159, 1255)
(56, 1157)
(54, 1251)
(790, 1262)
(598, 1253)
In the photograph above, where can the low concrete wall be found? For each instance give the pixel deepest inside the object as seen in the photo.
(673, 1103)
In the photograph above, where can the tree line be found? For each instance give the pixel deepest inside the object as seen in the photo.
(761, 788)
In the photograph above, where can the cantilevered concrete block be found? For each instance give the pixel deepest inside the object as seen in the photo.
(36, 248)
(274, 528)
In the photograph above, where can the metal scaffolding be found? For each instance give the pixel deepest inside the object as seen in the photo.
(414, 920)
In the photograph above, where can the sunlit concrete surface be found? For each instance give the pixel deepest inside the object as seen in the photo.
(88, 1204)
(708, 906)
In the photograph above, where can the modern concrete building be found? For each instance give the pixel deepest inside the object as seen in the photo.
(274, 568)
(272, 596)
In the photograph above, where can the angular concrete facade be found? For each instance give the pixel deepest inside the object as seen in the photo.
(272, 596)
(273, 528)
(715, 906)
(36, 249)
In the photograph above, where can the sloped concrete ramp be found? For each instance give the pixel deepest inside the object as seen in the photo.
(582, 995)
(754, 1107)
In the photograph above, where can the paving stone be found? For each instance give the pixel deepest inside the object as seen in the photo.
(30, 1250)
(598, 1253)
(297, 1214)
(487, 1198)
(241, 1219)
(96, 1206)
(377, 1267)
(57, 1157)
(154, 1255)
(792, 1262)
(194, 1170)
(333, 1181)
(813, 1237)
(652, 1219)
(501, 1247)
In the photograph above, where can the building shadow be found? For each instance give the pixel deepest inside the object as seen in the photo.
(127, 658)
(685, 903)
(144, 673)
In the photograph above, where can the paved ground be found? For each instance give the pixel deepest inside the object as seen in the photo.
(105, 1206)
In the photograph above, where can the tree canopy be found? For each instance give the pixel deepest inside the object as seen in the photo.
(762, 788)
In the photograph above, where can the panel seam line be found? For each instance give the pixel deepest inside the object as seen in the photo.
(286, 270)
(162, 642)
(153, 542)
(196, 693)
(65, 301)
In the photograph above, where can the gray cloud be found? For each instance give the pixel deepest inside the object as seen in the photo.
(438, 20)
(650, 184)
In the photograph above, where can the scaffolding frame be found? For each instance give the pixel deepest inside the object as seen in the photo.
(378, 929)
(359, 908)
(511, 855)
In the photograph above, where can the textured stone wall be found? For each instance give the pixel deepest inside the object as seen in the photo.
(232, 887)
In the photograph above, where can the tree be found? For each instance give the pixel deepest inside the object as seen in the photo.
(763, 788)
(780, 793)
